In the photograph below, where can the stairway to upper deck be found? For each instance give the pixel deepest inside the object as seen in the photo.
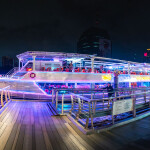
(18, 75)
(23, 71)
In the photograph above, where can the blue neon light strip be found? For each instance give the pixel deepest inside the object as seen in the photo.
(47, 59)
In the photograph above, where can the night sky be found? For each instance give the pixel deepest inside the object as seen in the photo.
(56, 25)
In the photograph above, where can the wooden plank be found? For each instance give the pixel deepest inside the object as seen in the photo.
(86, 138)
(27, 145)
(12, 140)
(20, 141)
(125, 132)
(115, 137)
(40, 143)
(6, 114)
(6, 134)
(112, 141)
(98, 139)
(86, 145)
(44, 131)
(29, 125)
(46, 138)
(55, 138)
(61, 130)
(33, 138)
(83, 136)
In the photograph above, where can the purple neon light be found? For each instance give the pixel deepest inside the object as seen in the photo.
(69, 81)
(40, 88)
(5, 87)
(16, 80)
(56, 60)
(43, 92)
(14, 91)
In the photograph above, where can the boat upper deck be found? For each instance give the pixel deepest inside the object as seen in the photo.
(74, 62)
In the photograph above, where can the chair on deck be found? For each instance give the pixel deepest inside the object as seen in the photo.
(43, 69)
(49, 69)
(108, 71)
(67, 69)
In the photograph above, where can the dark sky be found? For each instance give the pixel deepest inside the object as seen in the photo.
(56, 25)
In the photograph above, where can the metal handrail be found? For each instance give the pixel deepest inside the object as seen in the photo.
(55, 91)
(79, 105)
(11, 72)
(100, 89)
(92, 108)
(5, 96)
(56, 95)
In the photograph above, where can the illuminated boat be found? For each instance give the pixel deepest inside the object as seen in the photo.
(39, 72)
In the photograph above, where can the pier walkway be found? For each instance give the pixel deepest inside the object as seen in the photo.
(26, 125)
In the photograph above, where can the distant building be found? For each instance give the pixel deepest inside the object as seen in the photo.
(9, 62)
(95, 41)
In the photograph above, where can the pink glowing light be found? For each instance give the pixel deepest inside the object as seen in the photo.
(145, 54)
(56, 60)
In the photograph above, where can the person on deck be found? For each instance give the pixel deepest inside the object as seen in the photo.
(109, 89)
(70, 67)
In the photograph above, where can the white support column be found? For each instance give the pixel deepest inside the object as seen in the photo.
(34, 63)
(19, 64)
(74, 66)
(128, 68)
(75, 85)
(67, 84)
(82, 63)
(129, 74)
(92, 64)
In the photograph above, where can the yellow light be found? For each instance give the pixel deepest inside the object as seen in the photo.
(141, 78)
(106, 77)
(148, 49)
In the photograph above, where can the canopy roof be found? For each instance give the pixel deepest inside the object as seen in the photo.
(98, 61)
(41, 55)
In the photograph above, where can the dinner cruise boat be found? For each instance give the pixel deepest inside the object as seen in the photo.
(40, 71)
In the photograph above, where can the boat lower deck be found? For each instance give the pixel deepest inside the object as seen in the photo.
(26, 125)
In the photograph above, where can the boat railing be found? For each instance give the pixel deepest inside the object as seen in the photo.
(86, 108)
(94, 93)
(5, 96)
(11, 72)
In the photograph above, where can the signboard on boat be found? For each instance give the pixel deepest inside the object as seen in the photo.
(134, 78)
(122, 106)
(70, 77)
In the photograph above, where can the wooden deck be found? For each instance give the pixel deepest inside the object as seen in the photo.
(30, 126)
